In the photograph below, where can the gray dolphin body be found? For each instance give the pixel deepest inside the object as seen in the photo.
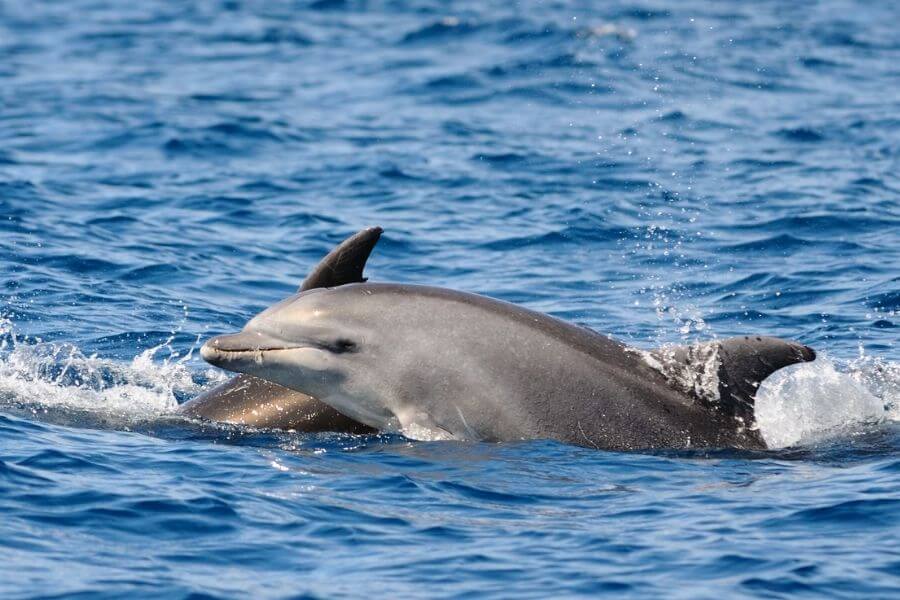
(249, 400)
(411, 358)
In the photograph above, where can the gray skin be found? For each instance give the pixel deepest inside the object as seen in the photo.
(462, 366)
(248, 400)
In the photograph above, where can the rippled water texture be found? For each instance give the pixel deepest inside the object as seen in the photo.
(660, 171)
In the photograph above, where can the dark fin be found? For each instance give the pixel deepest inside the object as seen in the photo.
(745, 362)
(345, 263)
(741, 364)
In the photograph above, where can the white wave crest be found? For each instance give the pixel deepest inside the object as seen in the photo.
(43, 375)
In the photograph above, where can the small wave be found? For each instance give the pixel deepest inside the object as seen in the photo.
(818, 63)
(445, 29)
(801, 134)
(821, 223)
(269, 35)
(887, 302)
(785, 244)
(228, 138)
(567, 235)
(325, 5)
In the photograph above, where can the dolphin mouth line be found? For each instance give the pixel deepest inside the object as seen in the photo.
(230, 354)
(256, 350)
(216, 352)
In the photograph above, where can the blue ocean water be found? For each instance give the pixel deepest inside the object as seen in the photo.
(662, 172)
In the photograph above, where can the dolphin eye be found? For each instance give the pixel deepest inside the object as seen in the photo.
(344, 345)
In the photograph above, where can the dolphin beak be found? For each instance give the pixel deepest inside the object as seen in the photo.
(221, 350)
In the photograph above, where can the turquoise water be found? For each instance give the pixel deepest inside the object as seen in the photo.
(661, 172)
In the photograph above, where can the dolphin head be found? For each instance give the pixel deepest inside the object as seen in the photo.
(318, 342)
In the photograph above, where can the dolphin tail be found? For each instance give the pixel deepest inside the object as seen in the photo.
(725, 375)
(746, 362)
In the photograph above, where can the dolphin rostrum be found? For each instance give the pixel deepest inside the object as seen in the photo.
(457, 365)
(248, 400)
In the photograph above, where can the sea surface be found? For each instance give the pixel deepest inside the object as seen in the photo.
(663, 172)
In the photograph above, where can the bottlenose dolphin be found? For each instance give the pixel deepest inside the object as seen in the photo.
(457, 365)
(248, 400)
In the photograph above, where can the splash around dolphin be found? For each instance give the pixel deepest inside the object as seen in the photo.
(413, 358)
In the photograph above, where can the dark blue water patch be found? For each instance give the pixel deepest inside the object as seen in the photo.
(801, 134)
(642, 12)
(873, 513)
(786, 244)
(56, 460)
(242, 130)
(539, 65)
(114, 222)
(267, 36)
(847, 224)
(224, 138)
(13, 477)
(887, 302)
(159, 273)
(446, 29)
(79, 264)
(325, 5)
(529, 33)
(817, 63)
(509, 158)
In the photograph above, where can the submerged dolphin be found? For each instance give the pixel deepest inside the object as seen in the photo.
(413, 358)
(248, 400)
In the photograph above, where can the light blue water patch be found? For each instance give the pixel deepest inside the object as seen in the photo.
(661, 172)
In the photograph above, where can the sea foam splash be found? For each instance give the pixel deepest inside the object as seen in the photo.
(43, 375)
(810, 402)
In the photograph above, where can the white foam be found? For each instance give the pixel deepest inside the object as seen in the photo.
(422, 433)
(697, 372)
(809, 402)
(43, 375)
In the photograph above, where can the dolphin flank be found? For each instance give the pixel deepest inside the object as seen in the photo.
(409, 358)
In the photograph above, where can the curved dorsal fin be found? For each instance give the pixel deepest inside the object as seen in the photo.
(736, 366)
(746, 361)
(345, 263)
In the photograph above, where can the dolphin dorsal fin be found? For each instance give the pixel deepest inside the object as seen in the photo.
(726, 374)
(345, 263)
